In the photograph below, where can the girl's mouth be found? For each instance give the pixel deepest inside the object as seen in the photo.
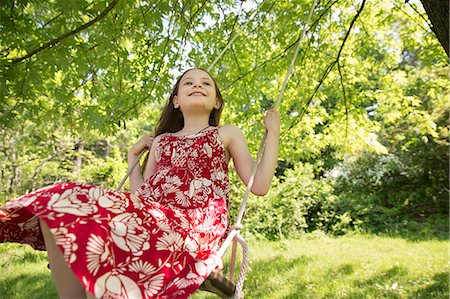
(196, 93)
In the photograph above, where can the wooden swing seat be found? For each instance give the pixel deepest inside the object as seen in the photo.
(218, 284)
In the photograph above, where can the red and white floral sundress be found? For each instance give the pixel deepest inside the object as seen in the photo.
(160, 242)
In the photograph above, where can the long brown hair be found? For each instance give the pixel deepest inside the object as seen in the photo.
(172, 120)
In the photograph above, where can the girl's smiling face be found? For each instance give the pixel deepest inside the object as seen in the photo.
(196, 91)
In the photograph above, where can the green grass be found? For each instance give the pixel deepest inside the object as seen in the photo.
(315, 266)
(24, 273)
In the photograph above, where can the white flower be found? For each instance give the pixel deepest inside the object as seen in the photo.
(192, 165)
(191, 246)
(142, 267)
(166, 150)
(24, 201)
(182, 199)
(171, 184)
(31, 224)
(113, 202)
(171, 241)
(207, 148)
(67, 242)
(196, 215)
(184, 222)
(128, 235)
(96, 252)
(153, 285)
(205, 267)
(208, 223)
(219, 193)
(219, 176)
(157, 214)
(111, 285)
(96, 192)
(159, 176)
(191, 278)
(164, 226)
(156, 193)
(68, 202)
(136, 201)
(199, 189)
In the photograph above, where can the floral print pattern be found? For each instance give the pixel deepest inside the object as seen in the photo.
(160, 242)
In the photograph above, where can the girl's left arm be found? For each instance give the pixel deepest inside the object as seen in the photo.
(243, 161)
(269, 160)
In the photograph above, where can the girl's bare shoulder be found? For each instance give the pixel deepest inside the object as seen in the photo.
(228, 133)
(157, 140)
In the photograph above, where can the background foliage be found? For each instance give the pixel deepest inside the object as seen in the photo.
(364, 116)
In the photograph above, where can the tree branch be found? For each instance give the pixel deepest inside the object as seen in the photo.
(187, 27)
(421, 15)
(438, 13)
(328, 69)
(52, 20)
(282, 54)
(55, 41)
(410, 17)
(341, 77)
(165, 50)
(158, 71)
(239, 68)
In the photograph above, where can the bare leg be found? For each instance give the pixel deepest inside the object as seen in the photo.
(67, 285)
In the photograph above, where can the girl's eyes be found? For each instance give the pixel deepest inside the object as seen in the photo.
(190, 83)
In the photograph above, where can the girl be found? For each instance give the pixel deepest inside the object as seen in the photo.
(160, 240)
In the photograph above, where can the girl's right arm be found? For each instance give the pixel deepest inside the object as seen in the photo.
(136, 177)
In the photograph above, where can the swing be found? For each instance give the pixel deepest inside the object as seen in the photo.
(217, 283)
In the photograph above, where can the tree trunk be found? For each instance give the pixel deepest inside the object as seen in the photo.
(437, 11)
(79, 148)
(14, 179)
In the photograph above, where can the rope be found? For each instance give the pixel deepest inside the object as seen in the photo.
(240, 282)
(130, 170)
(263, 141)
(235, 236)
(226, 243)
(221, 53)
(238, 293)
(231, 41)
(291, 67)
